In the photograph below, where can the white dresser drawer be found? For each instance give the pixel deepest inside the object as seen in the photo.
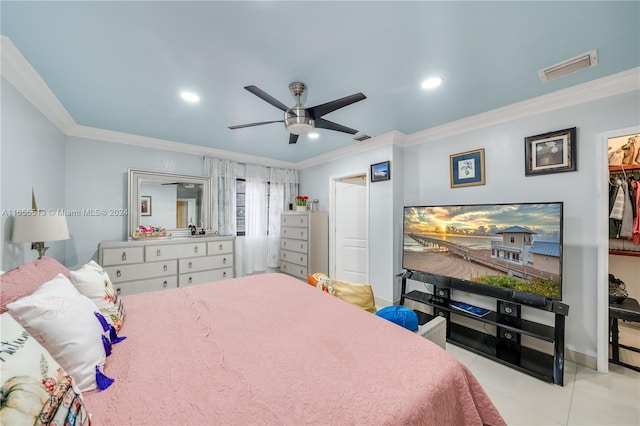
(295, 245)
(220, 247)
(298, 220)
(122, 273)
(203, 263)
(122, 256)
(293, 257)
(174, 251)
(205, 276)
(144, 286)
(292, 232)
(293, 269)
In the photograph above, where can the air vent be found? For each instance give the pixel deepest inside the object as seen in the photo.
(362, 137)
(581, 62)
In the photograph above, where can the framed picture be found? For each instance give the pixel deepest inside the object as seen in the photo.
(381, 171)
(145, 205)
(552, 152)
(467, 168)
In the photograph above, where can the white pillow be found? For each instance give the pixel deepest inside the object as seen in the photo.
(64, 322)
(35, 389)
(93, 281)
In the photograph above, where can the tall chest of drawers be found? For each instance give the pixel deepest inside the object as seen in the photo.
(304, 243)
(149, 265)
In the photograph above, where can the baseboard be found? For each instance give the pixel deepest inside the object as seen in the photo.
(581, 359)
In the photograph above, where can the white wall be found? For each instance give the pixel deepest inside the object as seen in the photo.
(96, 178)
(315, 182)
(32, 156)
(427, 182)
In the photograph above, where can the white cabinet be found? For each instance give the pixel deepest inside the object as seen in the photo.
(304, 243)
(148, 265)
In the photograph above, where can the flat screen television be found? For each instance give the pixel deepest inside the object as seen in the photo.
(508, 246)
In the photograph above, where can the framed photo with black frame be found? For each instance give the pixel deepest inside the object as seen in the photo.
(381, 171)
(552, 152)
(467, 168)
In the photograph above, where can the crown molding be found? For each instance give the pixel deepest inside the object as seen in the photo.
(623, 82)
(19, 72)
(186, 148)
(390, 138)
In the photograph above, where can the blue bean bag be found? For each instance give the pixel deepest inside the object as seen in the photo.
(400, 315)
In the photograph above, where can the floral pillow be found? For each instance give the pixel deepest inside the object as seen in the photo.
(93, 281)
(64, 322)
(35, 389)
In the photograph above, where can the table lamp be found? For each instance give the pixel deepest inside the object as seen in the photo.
(38, 228)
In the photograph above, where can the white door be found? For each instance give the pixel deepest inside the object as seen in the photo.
(351, 229)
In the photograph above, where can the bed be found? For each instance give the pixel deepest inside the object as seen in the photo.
(268, 349)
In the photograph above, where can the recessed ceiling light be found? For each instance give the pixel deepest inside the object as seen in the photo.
(430, 83)
(190, 97)
(313, 135)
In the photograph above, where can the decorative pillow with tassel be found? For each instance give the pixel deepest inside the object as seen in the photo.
(93, 281)
(35, 388)
(63, 321)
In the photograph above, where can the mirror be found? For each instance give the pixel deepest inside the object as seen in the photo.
(169, 200)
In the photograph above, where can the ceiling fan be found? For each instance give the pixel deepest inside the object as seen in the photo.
(299, 120)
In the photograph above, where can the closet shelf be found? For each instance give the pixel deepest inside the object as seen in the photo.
(625, 253)
(626, 168)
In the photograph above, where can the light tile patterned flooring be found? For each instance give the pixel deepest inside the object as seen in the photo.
(587, 397)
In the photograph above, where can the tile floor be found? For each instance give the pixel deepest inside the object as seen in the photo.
(587, 397)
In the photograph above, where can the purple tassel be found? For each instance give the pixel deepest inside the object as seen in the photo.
(103, 321)
(102, 381)
(113, 336)
(107, 345)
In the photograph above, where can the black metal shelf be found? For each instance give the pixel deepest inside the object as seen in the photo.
(505, 346)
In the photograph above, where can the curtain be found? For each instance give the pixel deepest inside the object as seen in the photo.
(283, 189)
(223, 208)
(256, 218)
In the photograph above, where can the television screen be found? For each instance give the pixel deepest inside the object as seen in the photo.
(511, 246)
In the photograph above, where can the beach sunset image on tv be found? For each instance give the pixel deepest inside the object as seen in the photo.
(515, 246)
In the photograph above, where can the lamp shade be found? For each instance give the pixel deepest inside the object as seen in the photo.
(36, 227)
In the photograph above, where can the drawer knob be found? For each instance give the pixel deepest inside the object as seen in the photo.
(158, 252)
(284, 232)
(190, 265)
(118, 291)
(220, 247)
(118, 273)
(284, 267)
(300, 258)
(284, 255)
(165, 268)
(164, 284)
(224, 260)
(124, 256)
(301, 246)
(190, 280)
(224, 274)
(284, 244)
(301, 272)
(195, 249)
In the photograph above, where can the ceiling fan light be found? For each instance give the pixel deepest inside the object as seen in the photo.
(313, 135)
(299, 128)
(190, 97)
(432, 83)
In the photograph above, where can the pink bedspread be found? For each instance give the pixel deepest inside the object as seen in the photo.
(270, 349)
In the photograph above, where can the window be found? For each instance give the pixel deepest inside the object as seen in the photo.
(241, 204)
(240, 207)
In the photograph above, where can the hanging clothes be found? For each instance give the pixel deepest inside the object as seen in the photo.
(626, 228)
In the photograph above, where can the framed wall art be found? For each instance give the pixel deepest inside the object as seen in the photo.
(381, 171)
(552, 152)
(467, 168)
(145, 205)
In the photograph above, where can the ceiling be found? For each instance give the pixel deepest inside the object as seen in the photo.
(120, 66)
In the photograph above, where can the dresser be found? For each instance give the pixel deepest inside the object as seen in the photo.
(304, 243)
(149, 265)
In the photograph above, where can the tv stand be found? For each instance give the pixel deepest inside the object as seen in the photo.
(505, 346)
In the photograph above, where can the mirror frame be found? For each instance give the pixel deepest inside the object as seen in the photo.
(134, 178)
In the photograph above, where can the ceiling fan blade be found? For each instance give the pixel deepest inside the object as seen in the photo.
(320, 110)
(293, 138)
(321, 123)
(240, 126)
(267, 97)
